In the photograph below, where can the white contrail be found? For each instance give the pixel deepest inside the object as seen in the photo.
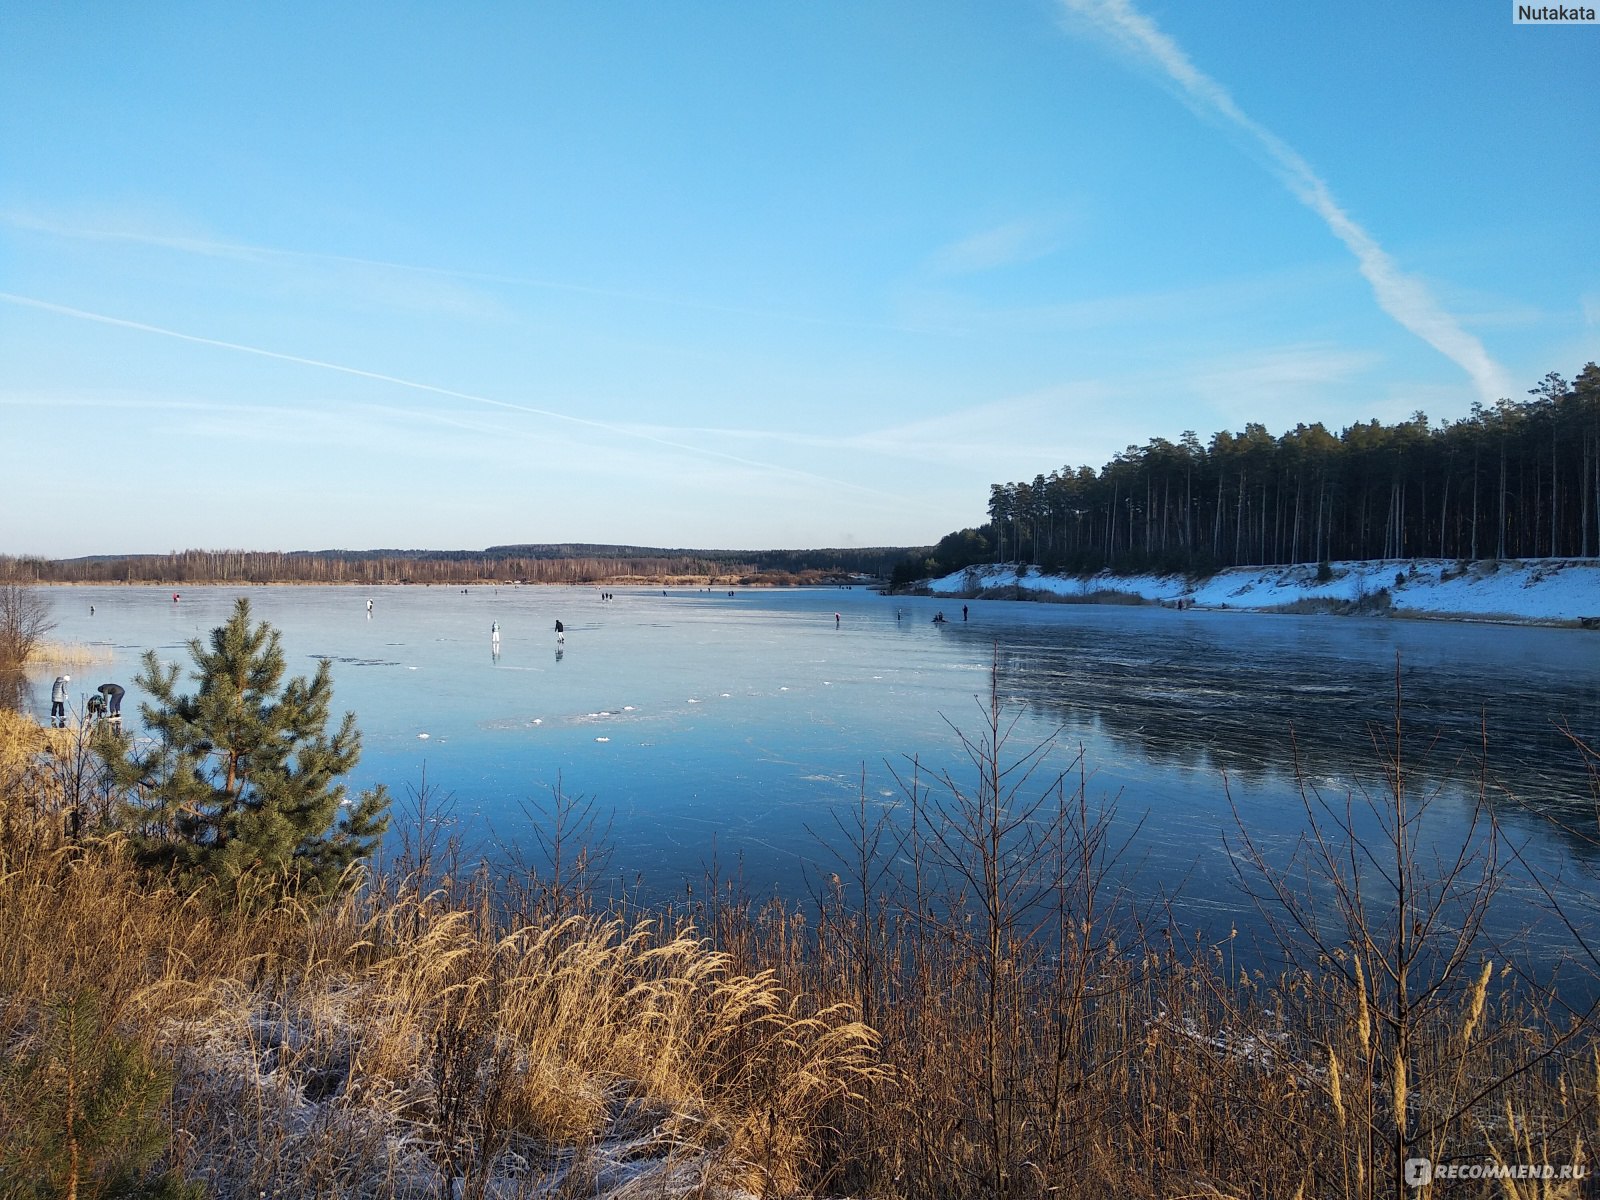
(244, 252)
(414, 385)
(1402, 296)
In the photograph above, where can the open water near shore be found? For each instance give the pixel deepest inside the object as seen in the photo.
(731, 729)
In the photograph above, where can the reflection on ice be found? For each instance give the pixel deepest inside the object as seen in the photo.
(1184, 720)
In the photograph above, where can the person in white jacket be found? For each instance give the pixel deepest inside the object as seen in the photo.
(58, 701)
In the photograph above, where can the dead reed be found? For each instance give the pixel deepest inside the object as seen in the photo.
(966, 1007)
(49, 657)
(400, 1040)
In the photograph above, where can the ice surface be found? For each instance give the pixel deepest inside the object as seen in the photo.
(1182, 718)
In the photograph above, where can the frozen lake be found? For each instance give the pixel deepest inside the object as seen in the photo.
(728, 727)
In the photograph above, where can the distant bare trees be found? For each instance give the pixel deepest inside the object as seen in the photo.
(552, 564)
(24, 620)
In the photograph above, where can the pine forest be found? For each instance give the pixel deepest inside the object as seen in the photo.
(1515, 479)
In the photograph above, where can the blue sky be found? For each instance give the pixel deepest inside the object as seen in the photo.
(302, 276)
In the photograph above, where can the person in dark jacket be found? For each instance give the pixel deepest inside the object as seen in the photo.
(113, 693)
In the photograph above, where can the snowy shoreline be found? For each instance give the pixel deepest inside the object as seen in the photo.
(1525, 591)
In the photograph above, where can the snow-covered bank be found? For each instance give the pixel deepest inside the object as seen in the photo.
(1529, 589)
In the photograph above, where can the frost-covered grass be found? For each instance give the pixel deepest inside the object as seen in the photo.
(469, 1042)
(403, 1048)
(403, 1043)
(1534, 589)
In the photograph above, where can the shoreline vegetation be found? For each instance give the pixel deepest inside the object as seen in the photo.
(1516, 480)
(967, 1005)
(52, 656)
(1563, 591)
(574, 564)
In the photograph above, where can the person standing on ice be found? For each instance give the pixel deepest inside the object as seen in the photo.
(58, 701)
(561, 632)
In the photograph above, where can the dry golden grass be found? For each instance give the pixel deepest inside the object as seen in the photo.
(21, 741)
(386, 1046)
(52, 658)
(401, 1039)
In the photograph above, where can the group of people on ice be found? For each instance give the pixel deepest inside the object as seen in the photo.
(105, 703)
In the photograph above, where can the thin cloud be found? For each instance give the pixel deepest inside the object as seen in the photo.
(1275, 386)
(1402, 296)
(243, 252)
(1217, 299)
(984, 438)
(1002, 246)
(621, 431)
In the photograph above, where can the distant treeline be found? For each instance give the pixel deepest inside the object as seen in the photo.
(572, 563)
(1515, 479)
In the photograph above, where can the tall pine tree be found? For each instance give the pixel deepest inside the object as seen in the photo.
(242, 777)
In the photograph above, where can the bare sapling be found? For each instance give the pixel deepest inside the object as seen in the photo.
(1387, 940)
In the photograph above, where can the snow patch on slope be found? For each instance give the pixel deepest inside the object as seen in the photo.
(1529, 589)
